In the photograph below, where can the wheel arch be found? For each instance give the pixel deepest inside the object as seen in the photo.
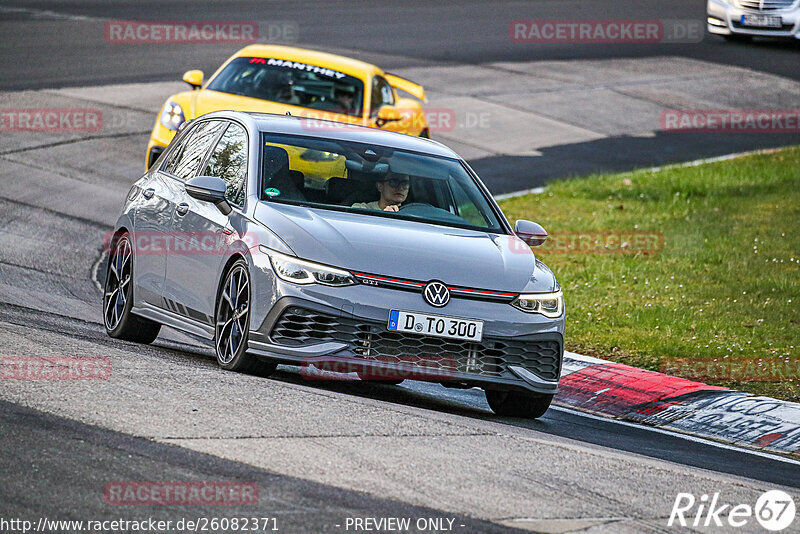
(224, 272)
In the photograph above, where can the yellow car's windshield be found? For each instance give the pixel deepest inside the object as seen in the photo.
(292, 82)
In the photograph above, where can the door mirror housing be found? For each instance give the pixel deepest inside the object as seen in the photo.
(530, 232)
(193, 78)
(387, 114)
(209, 189)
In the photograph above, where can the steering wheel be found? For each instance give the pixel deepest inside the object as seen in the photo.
(431, 212)
(414, 206)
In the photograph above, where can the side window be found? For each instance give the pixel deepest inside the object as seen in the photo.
(381, 94)
(229, 162)
(465, 207)
(187, 158)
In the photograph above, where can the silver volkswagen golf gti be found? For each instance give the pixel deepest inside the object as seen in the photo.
(336, 248)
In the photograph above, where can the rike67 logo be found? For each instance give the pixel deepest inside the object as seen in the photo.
(774, 510)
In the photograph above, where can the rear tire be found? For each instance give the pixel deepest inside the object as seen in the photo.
(517, 403)
(120, 323)
(232, 324)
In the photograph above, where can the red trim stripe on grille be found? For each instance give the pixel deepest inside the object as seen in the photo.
(419, 284)
(373, 277)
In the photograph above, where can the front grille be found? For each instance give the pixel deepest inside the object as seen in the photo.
(766, 5)
(371, 341)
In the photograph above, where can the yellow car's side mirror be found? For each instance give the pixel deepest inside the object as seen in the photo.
(387, 114)
(193, 78)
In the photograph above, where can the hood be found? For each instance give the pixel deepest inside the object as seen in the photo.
(406, 249)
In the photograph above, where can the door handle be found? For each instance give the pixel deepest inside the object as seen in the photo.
(148, 193)
(182, 209)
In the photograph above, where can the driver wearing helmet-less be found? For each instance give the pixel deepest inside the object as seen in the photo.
(345, 97)
(393, 190)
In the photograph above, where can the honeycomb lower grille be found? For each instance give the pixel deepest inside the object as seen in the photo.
(371, 341)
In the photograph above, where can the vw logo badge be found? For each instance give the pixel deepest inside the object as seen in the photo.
(436, 294)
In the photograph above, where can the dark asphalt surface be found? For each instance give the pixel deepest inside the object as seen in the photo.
(504, 174)
(57, 468)
(566, 424)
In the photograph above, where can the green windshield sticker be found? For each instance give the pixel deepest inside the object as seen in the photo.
(271, 192)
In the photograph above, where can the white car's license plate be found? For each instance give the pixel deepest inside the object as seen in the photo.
(762, 21)
(435, 325)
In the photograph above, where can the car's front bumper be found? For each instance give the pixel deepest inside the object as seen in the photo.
(345, 329)
(725, 19)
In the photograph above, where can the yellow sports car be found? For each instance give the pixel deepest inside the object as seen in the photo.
(305, 83)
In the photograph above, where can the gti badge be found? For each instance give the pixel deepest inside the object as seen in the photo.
(436, 294)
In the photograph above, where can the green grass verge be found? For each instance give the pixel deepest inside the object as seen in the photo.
(719, 303)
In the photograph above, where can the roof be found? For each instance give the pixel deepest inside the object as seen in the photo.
(304, 55)
(281, 124)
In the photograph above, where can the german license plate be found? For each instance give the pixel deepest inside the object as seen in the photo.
(762, 21)
(435, 325)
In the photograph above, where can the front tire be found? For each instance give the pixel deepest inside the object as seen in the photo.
(232, 324)
(517, 403)
(120, 323)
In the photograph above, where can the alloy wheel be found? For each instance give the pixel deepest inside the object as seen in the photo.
(117, 291)
(232, 314)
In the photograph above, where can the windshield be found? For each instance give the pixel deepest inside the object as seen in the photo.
(373, 180)
(291, 82)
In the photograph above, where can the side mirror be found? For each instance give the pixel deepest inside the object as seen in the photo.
(193, 78)
(209, 189)
(532, 233)
(387, 114)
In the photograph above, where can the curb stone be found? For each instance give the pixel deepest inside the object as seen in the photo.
(631, 394)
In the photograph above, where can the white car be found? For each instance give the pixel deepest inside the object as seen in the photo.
(743, 19)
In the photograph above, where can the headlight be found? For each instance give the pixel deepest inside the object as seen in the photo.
(172, 116)
(548, 304)
(303, 272)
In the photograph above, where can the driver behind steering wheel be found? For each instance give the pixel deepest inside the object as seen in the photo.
(393, 190)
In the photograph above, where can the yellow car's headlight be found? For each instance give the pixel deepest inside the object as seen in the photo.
(548, 304)
(172, 116)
